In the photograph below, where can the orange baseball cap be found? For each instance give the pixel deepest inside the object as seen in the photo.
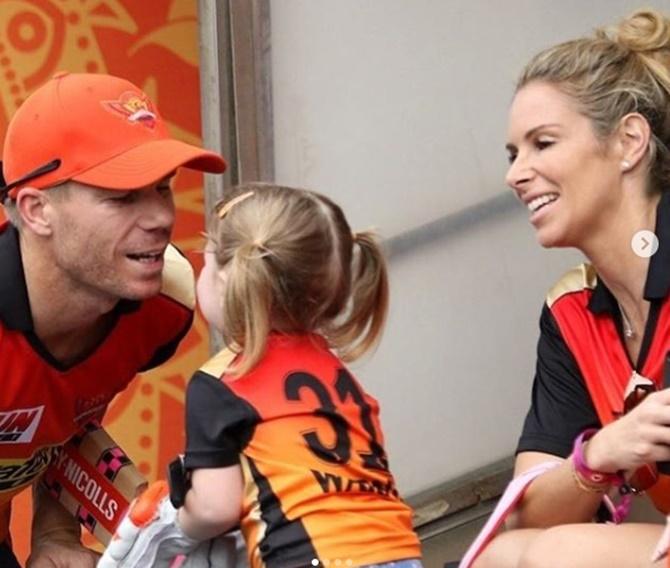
(97, 130)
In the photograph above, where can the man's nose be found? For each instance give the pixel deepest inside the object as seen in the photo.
(158, 210)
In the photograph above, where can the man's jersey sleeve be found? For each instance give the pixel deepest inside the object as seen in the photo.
(561, 407)
(219, 424)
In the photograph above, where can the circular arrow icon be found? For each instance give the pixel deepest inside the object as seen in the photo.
(644, 243)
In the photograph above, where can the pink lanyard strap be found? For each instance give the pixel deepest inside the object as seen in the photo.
(513, 493)
(507, 503)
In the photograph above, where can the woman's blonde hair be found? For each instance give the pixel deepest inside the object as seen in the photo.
(620, 70)
(292, 265)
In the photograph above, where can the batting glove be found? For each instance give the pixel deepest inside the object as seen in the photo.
(149, 535)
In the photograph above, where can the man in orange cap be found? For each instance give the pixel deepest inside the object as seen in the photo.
(91, 292)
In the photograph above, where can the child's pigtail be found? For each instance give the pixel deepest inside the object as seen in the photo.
(364, 324)
(248, 303)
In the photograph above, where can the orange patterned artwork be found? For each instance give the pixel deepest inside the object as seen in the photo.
(154, 44)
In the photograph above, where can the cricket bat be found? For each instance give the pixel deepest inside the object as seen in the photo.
(94, 480)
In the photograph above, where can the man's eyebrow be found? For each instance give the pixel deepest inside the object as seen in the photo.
(509, 147)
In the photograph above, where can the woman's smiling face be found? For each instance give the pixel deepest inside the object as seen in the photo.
(567, 177)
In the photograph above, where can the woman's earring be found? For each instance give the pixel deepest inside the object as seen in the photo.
(625, 165)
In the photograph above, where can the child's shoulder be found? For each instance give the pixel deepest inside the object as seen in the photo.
(283, 354)
(217, 365)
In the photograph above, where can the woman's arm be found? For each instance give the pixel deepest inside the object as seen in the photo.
(560, 409)
(213, 503)
(554, 498)
(640, 437)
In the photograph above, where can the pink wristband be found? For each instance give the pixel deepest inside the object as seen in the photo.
(584, 471)
(599, 478)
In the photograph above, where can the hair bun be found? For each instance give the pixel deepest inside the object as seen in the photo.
(643, 31)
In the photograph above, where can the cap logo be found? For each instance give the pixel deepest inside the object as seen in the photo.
(133, 107)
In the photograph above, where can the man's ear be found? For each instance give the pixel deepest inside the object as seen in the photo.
(32, 205)
(634, 137)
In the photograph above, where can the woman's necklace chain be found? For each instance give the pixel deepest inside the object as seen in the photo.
(628, 330)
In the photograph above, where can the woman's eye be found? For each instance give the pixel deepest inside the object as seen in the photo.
(542, 144)
(511, 156)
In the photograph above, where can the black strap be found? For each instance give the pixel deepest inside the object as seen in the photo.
(42, 170)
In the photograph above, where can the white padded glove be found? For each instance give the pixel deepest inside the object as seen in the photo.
(149, 534)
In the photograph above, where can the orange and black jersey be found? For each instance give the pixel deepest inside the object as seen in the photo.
(309, 443)
(583, 367)
(42, 402)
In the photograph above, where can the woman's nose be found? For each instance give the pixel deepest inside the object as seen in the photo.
(518, 175)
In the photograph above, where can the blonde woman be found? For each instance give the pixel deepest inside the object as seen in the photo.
(589, 130)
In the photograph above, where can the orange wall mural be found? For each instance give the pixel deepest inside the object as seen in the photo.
(154, 44)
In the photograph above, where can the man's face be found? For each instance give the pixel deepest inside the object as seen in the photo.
(111, 243)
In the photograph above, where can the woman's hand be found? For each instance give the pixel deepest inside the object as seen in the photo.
(640, 437)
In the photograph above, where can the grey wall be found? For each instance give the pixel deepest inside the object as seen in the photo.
(397, 109)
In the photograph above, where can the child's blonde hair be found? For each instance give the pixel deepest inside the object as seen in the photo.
(287, 256)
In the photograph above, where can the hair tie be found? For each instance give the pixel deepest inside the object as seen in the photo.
(261, 250)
